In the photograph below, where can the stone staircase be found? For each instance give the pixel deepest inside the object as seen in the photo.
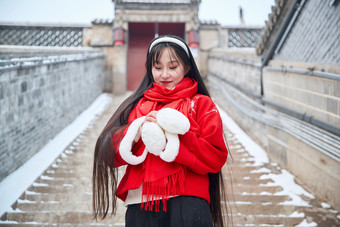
(257, 200)
(62, 195)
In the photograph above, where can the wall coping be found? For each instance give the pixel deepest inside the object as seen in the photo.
(64, 55)
(321, 140)
(35, 24)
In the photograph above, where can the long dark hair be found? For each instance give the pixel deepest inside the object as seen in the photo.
(105, 174)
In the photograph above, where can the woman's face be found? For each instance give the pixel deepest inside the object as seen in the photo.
(169, 70)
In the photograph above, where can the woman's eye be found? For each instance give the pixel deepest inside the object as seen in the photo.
(173, 67)
(158, 68)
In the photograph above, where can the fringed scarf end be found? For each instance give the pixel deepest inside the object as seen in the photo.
(161, 190)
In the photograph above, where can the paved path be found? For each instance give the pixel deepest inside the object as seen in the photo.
(61, 196)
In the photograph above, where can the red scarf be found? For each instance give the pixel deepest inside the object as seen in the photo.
(161, 178)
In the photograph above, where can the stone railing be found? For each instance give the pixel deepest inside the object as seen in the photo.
(243, 36)
(41, 35)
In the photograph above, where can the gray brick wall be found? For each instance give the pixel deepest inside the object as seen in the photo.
(41, 97)
(313, 96)
(314, 36)
(239, 67)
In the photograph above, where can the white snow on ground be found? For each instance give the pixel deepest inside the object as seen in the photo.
(304, 223)
(297, 214)
(325, 205)
(284, 180)
(253, 149)
(16, 183)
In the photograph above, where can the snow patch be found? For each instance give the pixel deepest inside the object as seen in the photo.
(44, 177)
(40, 184)
(254, 149)
(296, 214)
(267, 203)
(304, 223)
(243, 202)
(262, 170)
(285, 180)
(325, 205)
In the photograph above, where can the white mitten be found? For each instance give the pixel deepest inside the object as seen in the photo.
(172, 147)
(126, 144)
(153, 137)
(173, 121)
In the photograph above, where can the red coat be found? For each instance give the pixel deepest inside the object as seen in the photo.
(202, 150)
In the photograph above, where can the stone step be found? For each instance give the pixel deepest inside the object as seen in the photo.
(85, 197)
(69, 164)
(62, 180)
(62, 197)
(26, 205)
(261, 199)
(243, 175)
(322, 216)
(60, 217)
(67, 173)
(266, 220)
(35, 224)
(246, 208)
(241, 168)
(66, 188)
(238, 186)
(246, 181)
(258, 190)
(76, 161)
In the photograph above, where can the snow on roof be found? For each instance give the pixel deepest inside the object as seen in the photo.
(13, 62)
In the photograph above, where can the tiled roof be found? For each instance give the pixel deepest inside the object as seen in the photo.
(272, 25)
(102, 21)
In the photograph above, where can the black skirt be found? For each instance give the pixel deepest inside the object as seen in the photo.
(182, 211)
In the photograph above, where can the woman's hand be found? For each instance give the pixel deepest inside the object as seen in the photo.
(151, 116)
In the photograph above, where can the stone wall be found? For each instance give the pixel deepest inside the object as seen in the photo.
(100, 35)
(295, 142)
(40, 94)
(315, 94)
(209, 39)
(238, 67)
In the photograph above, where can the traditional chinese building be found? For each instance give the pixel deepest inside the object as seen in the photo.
(137, 22)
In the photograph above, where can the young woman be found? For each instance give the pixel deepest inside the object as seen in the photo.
(184, 190)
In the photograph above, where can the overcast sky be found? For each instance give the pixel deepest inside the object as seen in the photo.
(225, 12)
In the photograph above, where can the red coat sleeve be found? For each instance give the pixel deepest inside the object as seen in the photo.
(206, 152)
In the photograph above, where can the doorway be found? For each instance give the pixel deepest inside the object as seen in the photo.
(140, 36)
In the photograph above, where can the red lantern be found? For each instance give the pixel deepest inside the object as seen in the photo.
(119, 37)
(193, 38)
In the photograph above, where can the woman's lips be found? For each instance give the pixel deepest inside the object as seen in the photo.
(166, 82)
